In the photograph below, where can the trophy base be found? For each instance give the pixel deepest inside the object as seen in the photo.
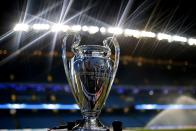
(90, 125)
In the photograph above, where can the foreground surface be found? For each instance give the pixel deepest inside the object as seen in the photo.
(128, 129)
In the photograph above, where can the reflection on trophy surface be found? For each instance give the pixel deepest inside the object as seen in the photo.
(91, 73)
(93, 76)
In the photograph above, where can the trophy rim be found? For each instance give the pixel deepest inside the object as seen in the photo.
(96, 48)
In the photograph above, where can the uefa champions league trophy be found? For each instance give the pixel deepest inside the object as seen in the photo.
(90, 73)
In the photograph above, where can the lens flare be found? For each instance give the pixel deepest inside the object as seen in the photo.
(76, 28)
(147, 34)
(41, 26)
(115, 30)
(163, 36)
(192, 41)
(102, 30)
(93, 29)
(59, 28)
(179, 38)
(21, 27)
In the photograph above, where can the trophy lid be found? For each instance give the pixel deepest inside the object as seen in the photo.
(92, 50)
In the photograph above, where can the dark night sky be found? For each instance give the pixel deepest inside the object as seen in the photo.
(174, 16)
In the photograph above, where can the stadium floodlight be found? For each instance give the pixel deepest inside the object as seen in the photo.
(130, 32)
(163, 36)
(41, 26)
(112, 30)
(76, 28)
(115, 30)
(21, 27)
(102, 29)
(93, 29)
(179, 38)
(59, 28)
(147, 34)
(65, 28)
(192, 41)
(84, 28)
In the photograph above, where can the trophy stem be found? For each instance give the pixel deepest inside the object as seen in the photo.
(90, 123)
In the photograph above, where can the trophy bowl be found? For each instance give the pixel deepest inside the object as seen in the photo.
(90, 74)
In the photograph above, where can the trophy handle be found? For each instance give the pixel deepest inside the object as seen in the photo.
(66, 62)
(107, 42)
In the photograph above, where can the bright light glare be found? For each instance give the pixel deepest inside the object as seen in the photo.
(147, 34)
(162, 36)
(179, 38)
(130, 32)
(59, 27)
(164, 107)
(192, 41)
(41, 26)
(84, 28)
(112, 30)
(115, 30)
(102, 29)
(40, 106)
(93, 29)
(21, 27)
(51, 106)
(16, 106)
(76, 28)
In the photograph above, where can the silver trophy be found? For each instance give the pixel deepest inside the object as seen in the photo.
(90, 73)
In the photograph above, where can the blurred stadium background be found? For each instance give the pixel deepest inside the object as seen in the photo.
(155, 85)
